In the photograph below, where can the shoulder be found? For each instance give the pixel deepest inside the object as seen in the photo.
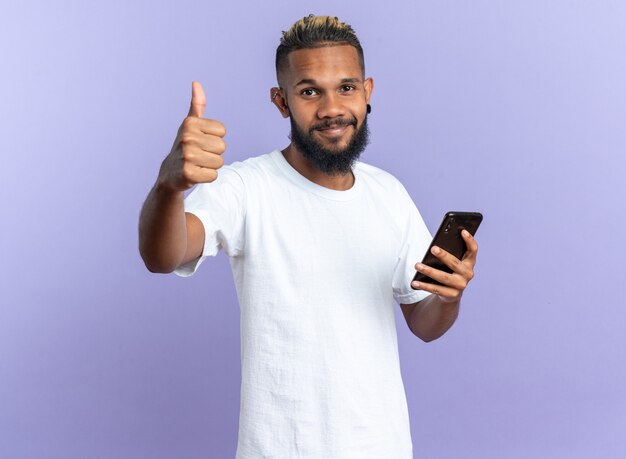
(254, 167)
(238, 176)
(375, 177)
(387, 189)
(254, 163)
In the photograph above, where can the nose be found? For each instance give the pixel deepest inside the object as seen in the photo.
(330, 106)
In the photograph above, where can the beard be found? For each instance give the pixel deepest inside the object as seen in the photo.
(331, 161)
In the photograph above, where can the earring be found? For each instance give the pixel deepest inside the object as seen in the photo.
(369, 109)
(275, 94)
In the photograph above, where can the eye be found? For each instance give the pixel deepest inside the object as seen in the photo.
(308, 92)
(347, 88)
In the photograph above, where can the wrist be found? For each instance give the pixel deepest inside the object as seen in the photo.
(164, 189)
(449, 301)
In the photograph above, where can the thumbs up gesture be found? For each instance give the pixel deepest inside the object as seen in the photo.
(196, 153)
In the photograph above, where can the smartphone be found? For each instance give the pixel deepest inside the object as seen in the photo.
(449, 238)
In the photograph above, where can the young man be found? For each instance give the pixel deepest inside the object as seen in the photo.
(320, 245)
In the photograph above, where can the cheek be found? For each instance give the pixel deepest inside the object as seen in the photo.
(360, 117)
(358, 108)
(301, 116)
(363, 108)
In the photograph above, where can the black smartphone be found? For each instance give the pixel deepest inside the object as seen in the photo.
(449, 238)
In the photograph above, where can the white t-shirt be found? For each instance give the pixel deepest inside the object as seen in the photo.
(316, 272)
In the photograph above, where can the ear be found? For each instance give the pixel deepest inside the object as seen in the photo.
(368, 85)
(277, 96)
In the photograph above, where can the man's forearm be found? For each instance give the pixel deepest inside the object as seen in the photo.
(162, 230)
(432, 317)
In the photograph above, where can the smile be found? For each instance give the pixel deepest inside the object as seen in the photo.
(333, 130)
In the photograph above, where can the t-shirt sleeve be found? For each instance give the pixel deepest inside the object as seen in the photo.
(415, 243)
(221, 207)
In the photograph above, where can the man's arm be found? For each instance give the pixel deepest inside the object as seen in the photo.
(431, 317)
(169, 237)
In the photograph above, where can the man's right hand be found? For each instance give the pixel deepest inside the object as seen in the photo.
(197, 149)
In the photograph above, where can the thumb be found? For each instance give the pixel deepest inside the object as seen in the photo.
(198, 100)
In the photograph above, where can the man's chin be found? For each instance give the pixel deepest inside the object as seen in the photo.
(330, 153)
(334, 148)
(334, 144)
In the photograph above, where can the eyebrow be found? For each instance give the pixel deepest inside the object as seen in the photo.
(313, 82)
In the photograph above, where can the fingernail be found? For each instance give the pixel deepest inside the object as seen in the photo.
(419, 266)
(436, 250)
(416, 284)
(466, 233)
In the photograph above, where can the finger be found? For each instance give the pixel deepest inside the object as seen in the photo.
(441, 290)
(464, 268)
(456, 281)
(209, 143)
(447, 258)
(197, 174)
(197, 157)
(198, 100)
(212, 127)
(472, 246)
(193, 124)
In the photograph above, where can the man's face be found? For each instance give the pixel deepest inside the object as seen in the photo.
(326, 96)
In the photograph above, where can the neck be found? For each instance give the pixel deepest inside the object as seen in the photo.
(339, 182)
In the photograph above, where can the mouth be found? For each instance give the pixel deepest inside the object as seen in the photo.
(334, 129)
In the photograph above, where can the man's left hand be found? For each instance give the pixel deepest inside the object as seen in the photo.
(462, 271)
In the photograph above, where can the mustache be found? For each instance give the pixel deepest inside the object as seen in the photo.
(333, 122)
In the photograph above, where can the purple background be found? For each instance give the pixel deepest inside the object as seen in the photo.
(515, 109)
